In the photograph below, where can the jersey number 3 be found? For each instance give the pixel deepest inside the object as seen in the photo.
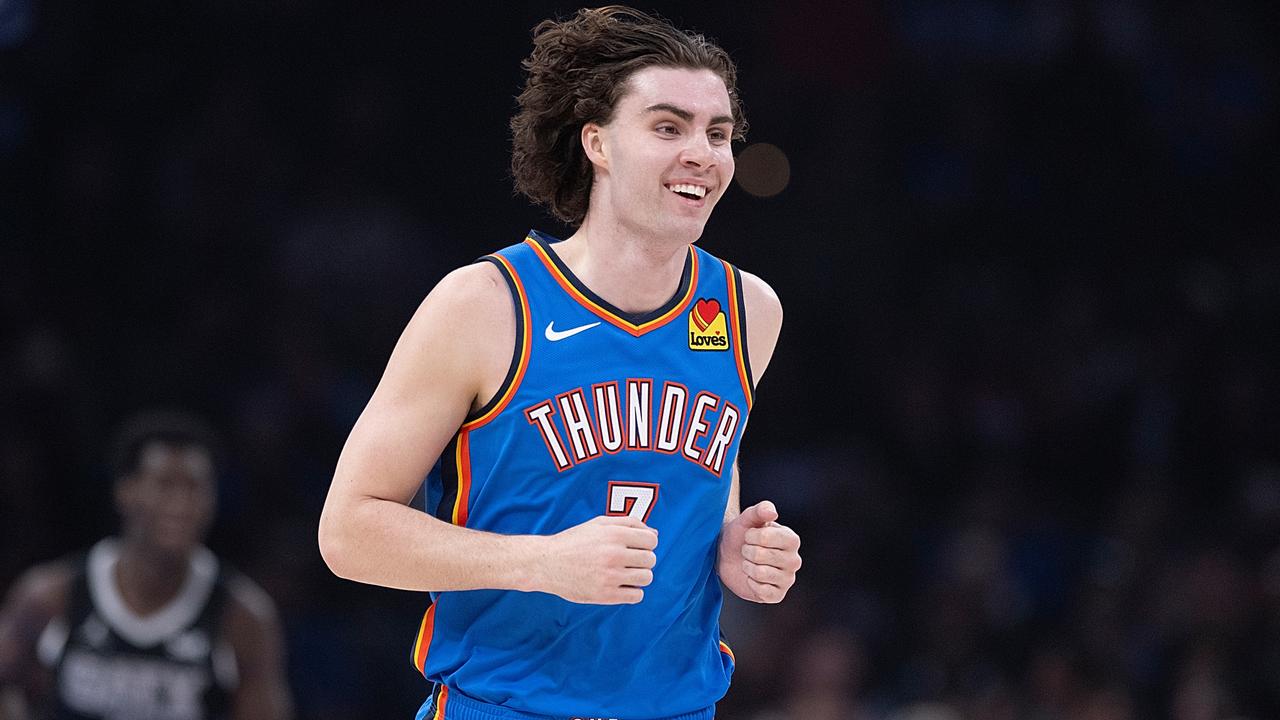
(632, 498)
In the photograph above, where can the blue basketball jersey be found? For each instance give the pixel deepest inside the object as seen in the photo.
(602, 413)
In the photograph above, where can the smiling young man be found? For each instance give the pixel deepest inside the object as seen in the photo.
(578, 406)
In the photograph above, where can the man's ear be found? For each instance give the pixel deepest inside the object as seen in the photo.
(593, 144)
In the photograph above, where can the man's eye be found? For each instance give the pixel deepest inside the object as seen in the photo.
(667, 129)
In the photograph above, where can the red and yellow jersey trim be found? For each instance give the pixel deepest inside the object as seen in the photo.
(462, 460)
(724, 648)
(738, 328)
(609, 316)
(442, 699)
(420, 646)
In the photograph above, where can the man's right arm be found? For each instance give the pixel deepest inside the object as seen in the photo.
(35, 599)
(450, 358)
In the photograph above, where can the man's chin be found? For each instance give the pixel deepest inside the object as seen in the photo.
(670, 228)
(174, 546)
(688, 230)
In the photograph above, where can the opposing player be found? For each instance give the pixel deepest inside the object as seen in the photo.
(148, 624)
(579, 406)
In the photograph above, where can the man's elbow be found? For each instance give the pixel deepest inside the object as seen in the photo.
(334, 547)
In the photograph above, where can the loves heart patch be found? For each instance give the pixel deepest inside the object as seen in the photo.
(707, 327)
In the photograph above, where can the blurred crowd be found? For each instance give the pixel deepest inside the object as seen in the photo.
(1023, 412)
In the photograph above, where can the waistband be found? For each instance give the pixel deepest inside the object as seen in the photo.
(461, 707)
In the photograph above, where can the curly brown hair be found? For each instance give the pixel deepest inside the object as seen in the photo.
(577, 72)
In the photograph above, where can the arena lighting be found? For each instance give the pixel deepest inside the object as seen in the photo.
(762, 170)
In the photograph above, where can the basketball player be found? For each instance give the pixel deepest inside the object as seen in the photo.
(148, 624)
(579, 405)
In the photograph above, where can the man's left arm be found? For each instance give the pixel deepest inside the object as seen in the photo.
(252, 627)
(758, 556)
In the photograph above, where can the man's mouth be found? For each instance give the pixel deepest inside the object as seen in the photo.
(693, 192)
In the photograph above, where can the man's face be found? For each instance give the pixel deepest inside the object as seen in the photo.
(168, 502)
(666, 155)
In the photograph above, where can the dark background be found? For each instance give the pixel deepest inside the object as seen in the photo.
(1024, 407)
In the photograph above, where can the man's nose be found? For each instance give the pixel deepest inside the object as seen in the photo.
(697, 152)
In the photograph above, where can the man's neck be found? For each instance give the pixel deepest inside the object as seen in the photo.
(633, 273)
(147, 579)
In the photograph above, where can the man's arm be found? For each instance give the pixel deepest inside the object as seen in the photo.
(452, 358)
(36, 598)
(253, 630)
(758, 557)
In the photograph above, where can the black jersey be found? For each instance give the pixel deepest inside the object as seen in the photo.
(111, 664)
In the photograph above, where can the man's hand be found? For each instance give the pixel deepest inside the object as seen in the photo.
(604, 561)
(758, 557)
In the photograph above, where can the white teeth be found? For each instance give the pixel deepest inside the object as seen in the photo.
(696, 190)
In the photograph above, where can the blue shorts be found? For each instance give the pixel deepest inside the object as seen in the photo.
(457, 706)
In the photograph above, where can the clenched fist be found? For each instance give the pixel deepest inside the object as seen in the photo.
(758, 557)
(604, 561)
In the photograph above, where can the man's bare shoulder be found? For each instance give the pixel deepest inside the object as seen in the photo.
(478, 282)
(760, 298)
(249, 605)
(469, 299)
(471, 305)
(45, 587)
(457, 347)
(764, 321)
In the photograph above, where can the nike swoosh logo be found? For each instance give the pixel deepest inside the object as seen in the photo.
(553, 335)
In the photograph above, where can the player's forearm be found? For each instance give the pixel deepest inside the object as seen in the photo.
(384, 543)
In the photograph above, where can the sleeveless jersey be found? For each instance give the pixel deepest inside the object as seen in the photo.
(602, 413)
(110, 664)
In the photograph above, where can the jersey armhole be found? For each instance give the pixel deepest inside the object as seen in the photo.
(738, 321)
(519, 354)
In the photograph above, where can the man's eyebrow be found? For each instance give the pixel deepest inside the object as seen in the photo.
(685, 115)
